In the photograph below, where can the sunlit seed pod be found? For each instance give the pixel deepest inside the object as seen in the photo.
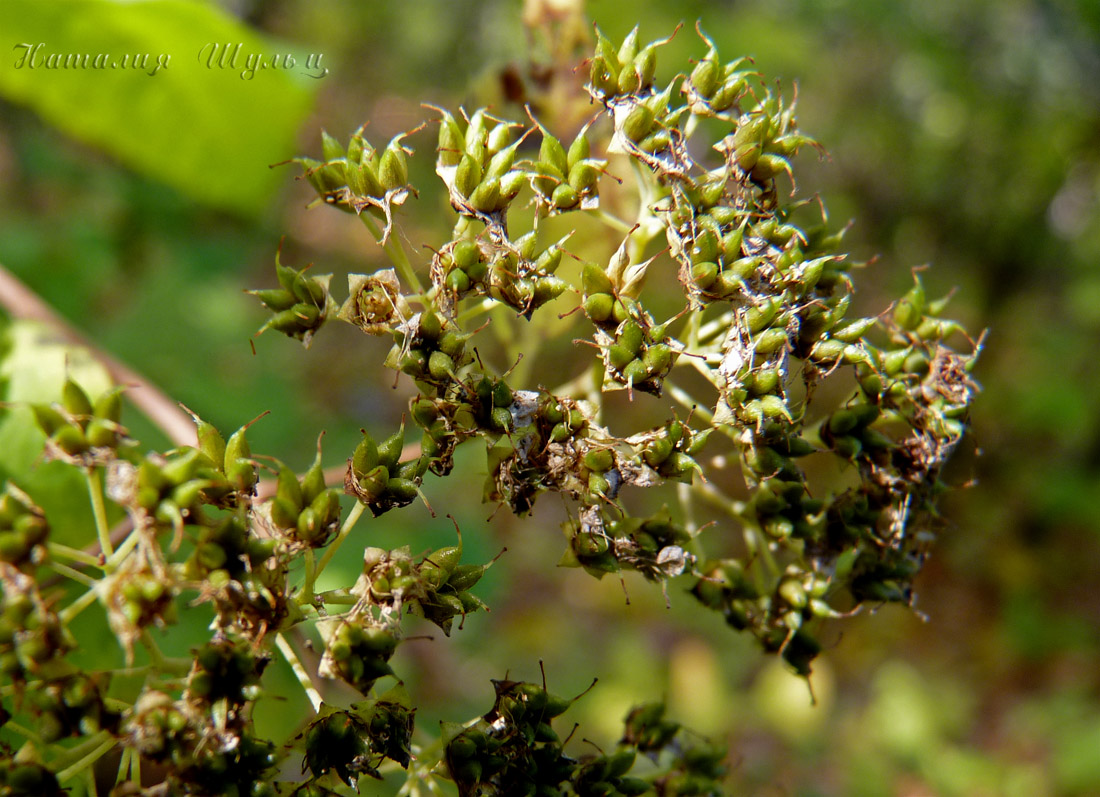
(598, 307)
(548, 288)
(761, 315)
(599, 459)
(842, 421)
(500, 137)
(414, 363)
(458, 281)
(467, 176)
(765, 380)
(705, 76)
(564, 197)
(635, 372)
(393, 170)
(365, 457)
(70, 438)
(598, 485)
(465, 254)
(501, 419)
(619, 356)
(767, 166)
(658, 141)
(909, 310)
(389, 450)
(917, 363)
(487, 197)
(657, 358)
(602, 78)
(628, 80)
(638, 123)
(553, 153)
(704, 248)
(747, 155)
(373, 483)
(326, 506)
(75, 400)
(630, 336)
(874, 439)
(579, 150)
(595, 280)
(657, 452)
(451, 142)
(560, 432)
(852, 331)
(583, 176)
(894, 361)
(828, 350)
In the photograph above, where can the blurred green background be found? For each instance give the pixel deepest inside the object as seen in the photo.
(962, 135)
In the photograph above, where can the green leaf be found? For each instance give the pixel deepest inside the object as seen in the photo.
(181, 116)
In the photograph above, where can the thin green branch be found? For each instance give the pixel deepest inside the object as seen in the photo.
(334, 546)
(99, 510)
(73, 574)
(69, 613)
(57, 550)
(86, 761)
(299, 671)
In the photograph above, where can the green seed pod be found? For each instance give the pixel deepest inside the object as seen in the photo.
(75, 400)
(602, 78)
(657, 358)
(760, 316)
(487, 197)
(847, 446)
(288, 488)
(564, 197)
(284, 513)
(638, 123)
(102, 434)
(583, 176)
(553, 153)
(71, 439)
(635, 372)
(629, 335)
(910, 308)
(464, 577)
(502, 394)
(48, 418)
(645, 63)
(598, 307)
(704, 274)
(403, 490)
(595, 280)
(500, 419)
(389, 450)
(467, 176)
(599, 459)
(440, 365)
(365, 458)
(393, 170)
(705, 76)
(108, 406)
(598, 485)
(657, 452)
(373, 484)
(704, 248)
(629, 80)
(579, 150)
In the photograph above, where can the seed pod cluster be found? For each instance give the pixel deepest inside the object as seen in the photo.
(628, 69)
(358, 650)
(714, 88)
(23, 530)
(72, 706)
(140, 595)
(376, 477)
(476, 159)
(304, 510)
(637, 355)
(79, 431)
(31, 635)
(566, 179)
(300, 306)
(227, 670)
(430, 349)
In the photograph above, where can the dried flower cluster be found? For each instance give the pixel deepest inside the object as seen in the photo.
(761, 324)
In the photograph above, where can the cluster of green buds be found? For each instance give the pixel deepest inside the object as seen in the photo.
(32, 638)
(714, 88)
(566, 179)
(515, 750)
(305, 511)
(225, 670)
(354, 742)
(361, 177)
(23, 529)
(429, 348)
(79, 431)
(623, 71)
(202, 755)
(72, 705)
(300, 305)
(378, 478)
(513, 273)
(654, 546)
(476, 159)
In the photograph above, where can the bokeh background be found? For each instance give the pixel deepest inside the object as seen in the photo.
(961, 135)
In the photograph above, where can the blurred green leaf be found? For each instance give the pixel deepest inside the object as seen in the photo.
(209, 131)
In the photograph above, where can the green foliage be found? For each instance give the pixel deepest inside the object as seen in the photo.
(235, 127)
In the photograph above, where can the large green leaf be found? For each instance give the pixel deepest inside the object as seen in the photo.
(184, 117)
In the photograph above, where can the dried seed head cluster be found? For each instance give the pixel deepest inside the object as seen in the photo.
(725, 296)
